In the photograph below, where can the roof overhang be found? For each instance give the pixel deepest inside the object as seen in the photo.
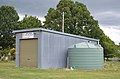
(52, 31)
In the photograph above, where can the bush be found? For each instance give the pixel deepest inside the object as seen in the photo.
(12, 52)
(7, 54)
(118, 54)
(4, 54)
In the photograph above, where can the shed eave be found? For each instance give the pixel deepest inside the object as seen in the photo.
(52, 31)
(26, 30)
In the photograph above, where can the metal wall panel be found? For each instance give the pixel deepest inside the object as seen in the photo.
(54, 49)
(18, 36)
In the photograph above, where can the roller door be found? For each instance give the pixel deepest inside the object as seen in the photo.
(28, 52)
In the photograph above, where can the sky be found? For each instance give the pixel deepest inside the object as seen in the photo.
(107, 12)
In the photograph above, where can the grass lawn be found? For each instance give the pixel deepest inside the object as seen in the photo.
(9, 71)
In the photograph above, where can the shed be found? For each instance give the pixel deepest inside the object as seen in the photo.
(43, 48)
(86, 56)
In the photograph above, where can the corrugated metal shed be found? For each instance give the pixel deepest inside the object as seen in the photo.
(52, 46)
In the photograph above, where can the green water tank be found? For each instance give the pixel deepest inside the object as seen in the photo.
(85, 56)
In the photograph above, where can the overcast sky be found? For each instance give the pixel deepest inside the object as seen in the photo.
(107, 12)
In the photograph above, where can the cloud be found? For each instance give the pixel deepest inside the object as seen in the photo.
(31, 7)
(108, 19)
(114, 34)
(22, 16)
(108, 14)
(101, 5)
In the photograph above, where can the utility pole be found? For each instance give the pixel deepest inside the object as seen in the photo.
(63, 22)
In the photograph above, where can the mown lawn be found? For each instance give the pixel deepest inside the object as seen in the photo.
(9, 71)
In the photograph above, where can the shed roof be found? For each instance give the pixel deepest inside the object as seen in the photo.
(52, 31)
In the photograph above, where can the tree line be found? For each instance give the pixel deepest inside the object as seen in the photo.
(78, 21)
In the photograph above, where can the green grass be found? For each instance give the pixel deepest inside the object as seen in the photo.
(9, 71)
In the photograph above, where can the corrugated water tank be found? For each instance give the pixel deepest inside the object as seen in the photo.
(85, 56)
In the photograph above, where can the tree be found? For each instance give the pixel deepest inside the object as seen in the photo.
(110, 49)
(8, 22)
(77, 21)
(30, 22)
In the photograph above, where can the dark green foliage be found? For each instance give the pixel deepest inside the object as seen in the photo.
(9, 53)
(30, 22)
(118, 48)
(8, 23)
(110, 48)
(3, 54)
(78, 21)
